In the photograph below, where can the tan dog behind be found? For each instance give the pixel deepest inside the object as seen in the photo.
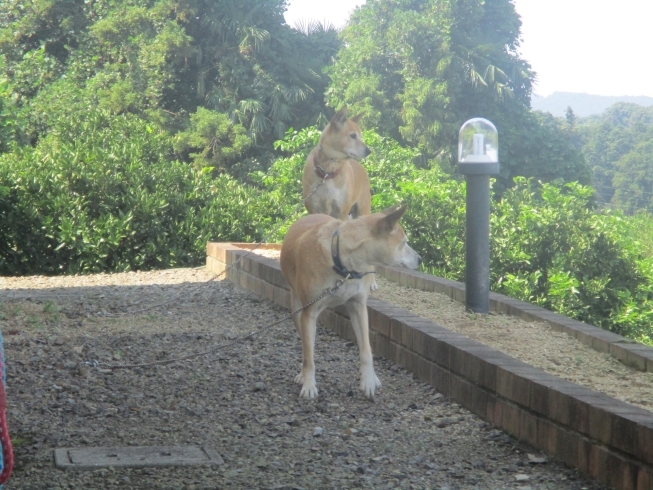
(346, 188)
(311, 248)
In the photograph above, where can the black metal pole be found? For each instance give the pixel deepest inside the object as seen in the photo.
(477, 244)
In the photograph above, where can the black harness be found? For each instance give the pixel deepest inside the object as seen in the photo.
(337, 263)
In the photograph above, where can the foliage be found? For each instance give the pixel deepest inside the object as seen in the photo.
(217, 142)
(640, 229)
(550, 248)
(633, 177)
(101, 193)
(617, 148)
(418, 70)
(160, 59)
(10, 120)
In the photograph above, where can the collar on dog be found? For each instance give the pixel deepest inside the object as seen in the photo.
(337, 263)
(323, 174)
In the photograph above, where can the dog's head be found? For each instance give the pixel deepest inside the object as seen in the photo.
(390, 241)
(342, 137)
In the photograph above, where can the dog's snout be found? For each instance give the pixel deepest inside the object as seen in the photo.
(367, 151)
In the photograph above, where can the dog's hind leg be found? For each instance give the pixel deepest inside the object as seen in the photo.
(306, 377)
(359, 321)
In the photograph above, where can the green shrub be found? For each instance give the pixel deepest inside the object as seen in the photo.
(100, 193)
(217, 142)
(551, 248)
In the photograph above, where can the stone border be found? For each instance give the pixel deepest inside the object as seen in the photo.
(607, 439)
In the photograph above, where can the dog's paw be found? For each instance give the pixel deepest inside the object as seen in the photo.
(374, 286)
(308, 391)
(369, 384)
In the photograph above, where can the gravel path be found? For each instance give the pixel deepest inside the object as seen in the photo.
(241, 401)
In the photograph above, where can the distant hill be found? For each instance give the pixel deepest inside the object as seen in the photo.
(583, 105)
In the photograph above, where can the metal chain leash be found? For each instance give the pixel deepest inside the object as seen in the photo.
(227, 269)
(114, 367)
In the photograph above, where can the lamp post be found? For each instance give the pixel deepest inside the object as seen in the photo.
(478, 158)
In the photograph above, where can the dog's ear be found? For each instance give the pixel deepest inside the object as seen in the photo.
(396, 207)
(340, 118)
(357, 118)
(392, 216)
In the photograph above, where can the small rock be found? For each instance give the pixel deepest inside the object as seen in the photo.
(532, 459)
(522, 477)
(259, 386)
(318, 431)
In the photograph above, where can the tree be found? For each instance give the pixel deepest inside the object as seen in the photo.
(633, 178)
(217, 142)
(161, 59)
(607, 142)
(250, 65)
(419, 69)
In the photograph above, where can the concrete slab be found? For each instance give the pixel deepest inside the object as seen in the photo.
(92, 458)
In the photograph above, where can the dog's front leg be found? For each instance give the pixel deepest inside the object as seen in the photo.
(358, 316)
(306, 377)
(374, 286)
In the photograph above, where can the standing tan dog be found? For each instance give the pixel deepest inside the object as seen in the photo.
(318, 251)
(346, 188)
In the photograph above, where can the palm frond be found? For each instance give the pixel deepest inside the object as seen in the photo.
(260, 124)
(295, 94)
(309, 27)
(251, 106)
(255, 36)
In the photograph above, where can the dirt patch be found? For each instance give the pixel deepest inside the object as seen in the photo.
(242, 401)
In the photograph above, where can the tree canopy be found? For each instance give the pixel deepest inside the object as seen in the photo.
(419, 69)
(617, 146)
(162, 59)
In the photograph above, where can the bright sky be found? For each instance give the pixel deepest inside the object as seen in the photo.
(596, 47)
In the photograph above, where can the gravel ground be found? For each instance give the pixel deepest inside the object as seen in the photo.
(242, 401)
